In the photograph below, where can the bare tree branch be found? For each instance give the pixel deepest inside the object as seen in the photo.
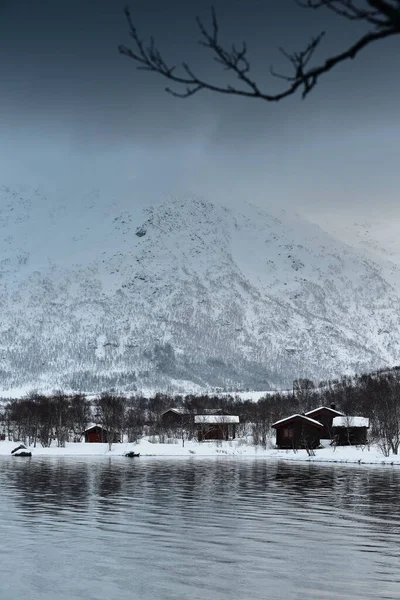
(382, 15)
(347, 9)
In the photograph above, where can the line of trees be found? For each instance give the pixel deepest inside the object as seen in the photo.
(58, 418)
(41, 418)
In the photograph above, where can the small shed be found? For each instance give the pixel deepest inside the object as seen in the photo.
(98, 434)
(325, 416)
(216, 427)
(298, 431)
(350, 431)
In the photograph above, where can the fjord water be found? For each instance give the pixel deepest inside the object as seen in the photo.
(194, 529)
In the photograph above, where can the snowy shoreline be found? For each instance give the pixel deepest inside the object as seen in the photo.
(191, 449)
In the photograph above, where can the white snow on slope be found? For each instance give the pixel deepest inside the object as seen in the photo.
(98, 294)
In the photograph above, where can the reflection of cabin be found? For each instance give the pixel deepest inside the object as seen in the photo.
(97, 434)
(325, 416)
(350, 431)
(175, 417)
(298, 431)
(216, 427)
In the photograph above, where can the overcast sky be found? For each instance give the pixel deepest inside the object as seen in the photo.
(73, 110)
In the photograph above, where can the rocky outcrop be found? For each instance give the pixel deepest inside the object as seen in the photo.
(21, 450)
(20, 447)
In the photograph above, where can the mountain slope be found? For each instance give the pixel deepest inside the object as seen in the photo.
(96, 295)
(376, 238)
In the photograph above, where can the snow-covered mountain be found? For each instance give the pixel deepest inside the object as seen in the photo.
(97, 294)
(375, 237)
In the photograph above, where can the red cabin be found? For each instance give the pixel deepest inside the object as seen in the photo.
(216, 427)
(298, 431)
(97, 434)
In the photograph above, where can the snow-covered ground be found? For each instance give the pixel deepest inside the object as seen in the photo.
(20, 392)
(238, 448)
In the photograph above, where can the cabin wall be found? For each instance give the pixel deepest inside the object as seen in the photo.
(99, 436)
(223, 431)
(325, 420)
(325, 417)
(171, 420)
(350, 436)
(297, 435)
(95, 436)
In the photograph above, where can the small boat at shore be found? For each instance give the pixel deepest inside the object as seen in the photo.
(132, 454)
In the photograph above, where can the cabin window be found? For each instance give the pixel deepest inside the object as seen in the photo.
(288, 432)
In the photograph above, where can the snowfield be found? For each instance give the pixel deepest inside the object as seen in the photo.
(237, 448)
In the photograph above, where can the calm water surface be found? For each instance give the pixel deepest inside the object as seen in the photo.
(194, 529)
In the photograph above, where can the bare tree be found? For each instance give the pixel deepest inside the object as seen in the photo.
(307, 440)
(61, 412)
(45, 418)
(134, 420)
(387, 424)
(79, 415)
(380, 17)
(304, 393)
(111, 415)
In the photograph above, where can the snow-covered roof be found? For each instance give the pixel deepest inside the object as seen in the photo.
(93, 426)
(216, 419)
(350, 422)
(312, 421)
(314, 410)
(178, 411)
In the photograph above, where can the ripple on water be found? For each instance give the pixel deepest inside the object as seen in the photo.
(176, 529)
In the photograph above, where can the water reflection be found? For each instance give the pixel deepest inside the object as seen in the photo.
(189, 528)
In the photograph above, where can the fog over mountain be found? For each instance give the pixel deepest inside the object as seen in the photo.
(99, 293)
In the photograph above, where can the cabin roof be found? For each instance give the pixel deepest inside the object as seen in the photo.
(93, 426)
(216, 419)
(350, 422)
(177, 411)
(297, 416)
(316, 410)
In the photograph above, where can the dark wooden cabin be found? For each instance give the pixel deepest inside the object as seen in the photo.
(325, 416)
(216, 427)
(97, 434)
(175, 417)
(298, 431)
(350, 431)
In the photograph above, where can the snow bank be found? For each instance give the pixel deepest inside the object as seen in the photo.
(238, 448)
(144, 447)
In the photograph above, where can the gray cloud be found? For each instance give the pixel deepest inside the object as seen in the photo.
(72, 109)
